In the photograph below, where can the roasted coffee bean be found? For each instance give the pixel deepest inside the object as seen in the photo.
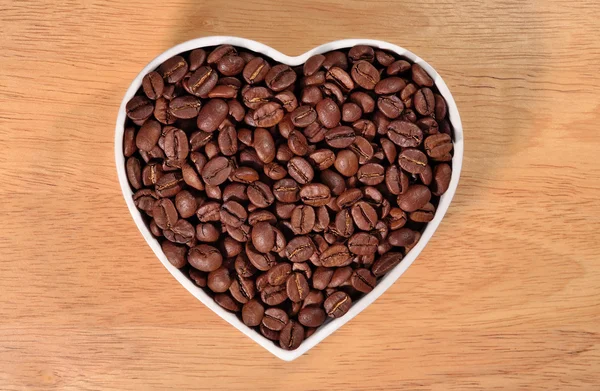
(235, 192)
(364, 216)
(322, 158)
(438, 145)
(291, 336)
(335, 58)
(384, 58)
(303, 219)
(260, 194)
(284, 153)
(361, 52)
(299, 249)
(405, 134)
(421, 77)
(301, 170)
(424, 101)
(365, 74)
(220, 280)
(186, 204)
(321, 277)
(231, 248)
(227, 140)
(254, 97)
(231, 65)
(233, 213)
(362, 244)
(205, 258)
(371, 174)
(390, 85)
(312, 316)
(133, 167)
(313, 64)
(274, 171)
(315, 194)
(275, 319)
(261, 261)
(264, 145)
(340, 277)
(208, 211)
(263, 237)
(414, 198)
(363, 281)
(175, 146)
(363, 149)
(252, 313)
(328, 113)
(174, 69)
(401, 237)
(175, 253)
(412, 160)
(337, 304)
(334, 181)
(397, 67)
(311, 95)
(273, 295)
(426, 176)
(207, 233)
(340, 77)
(351, 112)
(220, 52)
(202, 81)
(396, 181)
(280, 77)
(390, 105)
(216, 171)
(336, 255)
(340, 137)
(344, 225)
(139, 108)
(317, 79)
(364, 101)
(267, 115)
(334, 91)
(428, 125)
(297, 143)
(153, 85)
(288, 100)
(184, 107)
(151, 173)
(197, 58)
(243, 267)
(226, 301)
(349, 198)
(212, 114)
(424, 214)
(129, 141)
(303, 116)
(261, 215)
(242, 289)
(199, 278)
(442, 173)
(297, 287)
(286, 190)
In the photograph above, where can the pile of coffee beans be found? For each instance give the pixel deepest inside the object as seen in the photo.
(287, 192)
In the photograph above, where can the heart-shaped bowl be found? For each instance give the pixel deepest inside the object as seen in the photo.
(385, 282)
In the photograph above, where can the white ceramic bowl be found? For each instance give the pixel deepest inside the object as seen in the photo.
(269, 52)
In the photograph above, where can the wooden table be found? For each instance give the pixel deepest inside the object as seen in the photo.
(505, 296)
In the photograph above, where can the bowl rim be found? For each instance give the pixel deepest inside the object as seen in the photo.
(385, 282)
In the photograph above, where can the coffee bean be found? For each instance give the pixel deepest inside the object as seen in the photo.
(242, 289)
(227, 140)
(364, 101)
(220, 280)
(231, 65)
(424, 101)
(260, 194)
(442, 173)
(371, 174)
(351, 112)
(340, 137)
(364, 216)
(402, 237)
(343, 224)
(386, 263)
(252, 313)
(205, 258)
(361, 52)
(129, 141)
(291, 336)
(274, 171)
(212, 114)
(185, 107)
(153, 85)
(275, 319)
(315, 194)
(328, 113)
(174, 69)
(216, 171)
(297, 144)
(207, 233)
(384, 58)
(301, 170)
(198, 277)
(288, 100)
(424, 214)
(337, 304)
(438, 145)
(274, 295)
(263, 237)
(362, 244)
(349, 198)
(405, 134)
(297, 287)
(421, 77)
(396, 180)
(340, 277)
(299, 249)
(412, 160)
(334, 91)
(311, 95)
(335, 58)
(322, 158)
(232, 213)
(365, 75)
(186, 204)
(175, 253)
(390, 85)
(340, 77)
(286, 190)
(390, 105)
(363, 149)
(139, 108)
(280, 77)
(226, 301)
(336, 255)
(313, 64)
(261, 261)
(269, 114)
(312, 316)
(303, 219)
(397, 67)
(175, 146)
(363, 281)
(264, 145)
(133, 168)
(415, 197)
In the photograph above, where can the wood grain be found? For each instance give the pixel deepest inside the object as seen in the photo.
(505, 296)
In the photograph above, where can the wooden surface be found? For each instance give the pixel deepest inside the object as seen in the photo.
(505, 296)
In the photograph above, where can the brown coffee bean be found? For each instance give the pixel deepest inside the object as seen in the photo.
(212, 114)
(186, 204)
(384, 58)
(286, 190)
(275, 319)
(303, 219)
(421, 77)
(336, 255)
(351, 112)
(273, 295)
(297, 287)
(153, 85)
(208, 211)
(390, 85)
(274, 171)
(312, 316)
(396, 181)
(412, 160)
(303, 116)
(299, 249)
(175, 253)
(340, 77)
(261, 261)
(340, 137)
(363, 281)
(364, 101)
(233, 213)
(280, 77)
(185, 107)
(129, 141)
(313, 64)
(226, 301)
(341, 276)
(371, 174)
(216, 171)
(205, 258)
(362, 244)
(349, 197)
(401, 237)
(207, 233)
(174, 69)
(424, 214)
(337, 304)
(391, 106)
(363, 149)
(315, 194)
(301, 170)
(328, 113)
(311, 95)
(424, 101)
(364, 216)
(365, 75)
(227, 140)
(267, 115)
(442, 173)
(343, 224)
(321, 277)
(405, 134)
(438, 145)
(220, 280)
(252, 313)
(291, 336)
(297, 143)
(133, 167)
(242, 289)
(263, 237)
(398, 66)
(322, 158)
(386, 263)
(414, 198)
